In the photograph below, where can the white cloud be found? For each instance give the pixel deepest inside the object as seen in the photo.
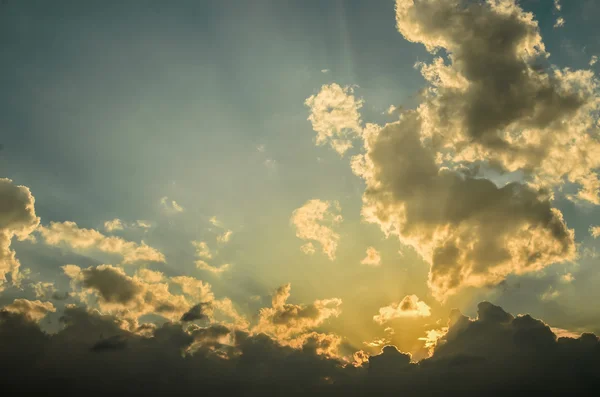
(560, 22)
(118, 224)
(170, 205)
(593, 60)
(115, 224)
(284, 320)
(410, 306)
(17, 219)
(202, 249)
(314, 221)
(325, 70)
(373, 257)
(201, 265)
(334, 117)
(225, 237)
(35, 310)
(595, 231)
(70, 234)
(421, 171)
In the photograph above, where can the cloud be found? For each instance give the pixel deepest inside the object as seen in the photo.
(115, 224)
(130, 297)
(34, 310)
(490, 104)
(494, 354)
(595, 231)
(308, 248)
(373, 257)
(216, 270)
(285, 320)
(325, 70)
(170, 205)
(225, 237)
(335, 117)
(70, 234)
(17, 219)
(409, 306)
(493, 101)
(593, 60)
(314, 221)
(118, 224)
(197, 312)
(471, 231)
(560, 22)
(202, 249)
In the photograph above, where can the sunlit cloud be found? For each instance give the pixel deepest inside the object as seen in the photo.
(170, 205)
(35, 310)
(373, 257)
(225, 237)
(80, 239)
(202, 249)
(315, 221)
(335, 117)
(201, 265)
(409, 306)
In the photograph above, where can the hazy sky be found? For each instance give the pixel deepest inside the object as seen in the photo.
(374, 164)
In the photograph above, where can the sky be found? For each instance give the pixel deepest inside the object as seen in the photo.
(317, 178)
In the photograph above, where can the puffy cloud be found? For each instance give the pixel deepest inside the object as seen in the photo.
(495, 354)
(493, 101)
(118, 224)
(471, 231)
(170, 205)
(593, 60)
(34, 310)
(17, 219)
(146, 292)
(308, 248)
(197, 312)
(315, 221)
(409, 306)
(215, 270)
(115, 224)
(335, 117)
(285, 320)
(595, 231)
(560, 22)
(43, 289)
(202, 249)
(373, 257)
(225, 237)
(70, 234)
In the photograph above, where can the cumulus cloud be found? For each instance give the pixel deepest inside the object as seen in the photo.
(216, 270)
(409, 306)
(71, 235)
(285, 320)
(560, 22)
(115, 224)
(373, 257)
(225, 237)
(202, 249)
(494, 354)
(17, 219)
(471, 231)
(492, 100)
(34, 310)
(118, 224)
(130, 297)
(595, 231)
(488, 104)
(315, 221)
(170, 205)
(593, 60)
(335, 117)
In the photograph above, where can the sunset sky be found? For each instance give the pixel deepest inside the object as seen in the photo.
(339, 172)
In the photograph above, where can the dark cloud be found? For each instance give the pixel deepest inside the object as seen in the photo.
(495, 353)
(197, 312)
